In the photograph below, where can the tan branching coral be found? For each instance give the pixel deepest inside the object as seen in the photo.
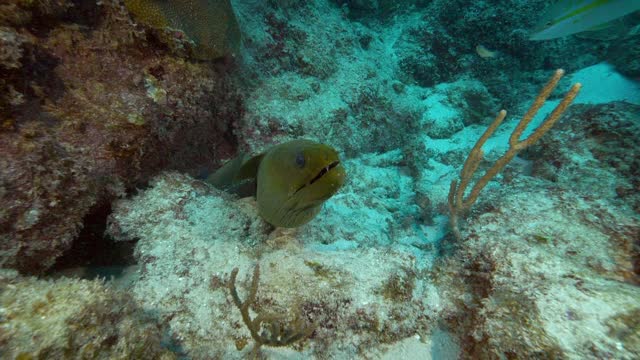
(458, 205)
(267, 329)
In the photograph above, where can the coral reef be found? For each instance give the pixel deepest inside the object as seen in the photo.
(608, 135)
(533, 289)
(185, 250)
(321, 94)
(458, 204)
(439, 46)
(624, 55)
(73, 319)
(507, 290)
(267, 329)
(626, 328)
(371, 85)
(211, 25)
(91, 106)
(623, 40)
(113, 109)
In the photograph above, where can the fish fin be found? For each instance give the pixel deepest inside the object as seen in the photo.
(249, 167)
(603, 26)
(237, 176)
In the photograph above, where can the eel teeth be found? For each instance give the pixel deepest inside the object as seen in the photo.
(322, 172)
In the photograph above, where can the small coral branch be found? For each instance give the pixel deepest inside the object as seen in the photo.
(458, 204)
(268, 330)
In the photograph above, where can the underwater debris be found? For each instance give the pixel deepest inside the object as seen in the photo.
(277, 330)
(485, 53)
(211, 24)
(457, 203)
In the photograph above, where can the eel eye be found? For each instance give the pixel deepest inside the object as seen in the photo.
(300, 160)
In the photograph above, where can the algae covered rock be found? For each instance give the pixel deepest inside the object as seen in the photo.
(211, 24)
(67, 318)
(561, 287)
(192, 237)
(625, 55)
(92, 104)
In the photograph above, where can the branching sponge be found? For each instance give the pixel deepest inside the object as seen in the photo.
(458, 205)
(267, 329)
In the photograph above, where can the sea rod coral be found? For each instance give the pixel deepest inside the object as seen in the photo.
(458, 204)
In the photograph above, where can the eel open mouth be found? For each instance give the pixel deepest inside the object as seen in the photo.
(322, 172)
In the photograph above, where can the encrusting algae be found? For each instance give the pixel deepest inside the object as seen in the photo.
(74, 319)
(84, 97)
(210, 24)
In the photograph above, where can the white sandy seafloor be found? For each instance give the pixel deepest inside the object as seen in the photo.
(368, 273)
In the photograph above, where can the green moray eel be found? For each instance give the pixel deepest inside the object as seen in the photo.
(291, 180)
